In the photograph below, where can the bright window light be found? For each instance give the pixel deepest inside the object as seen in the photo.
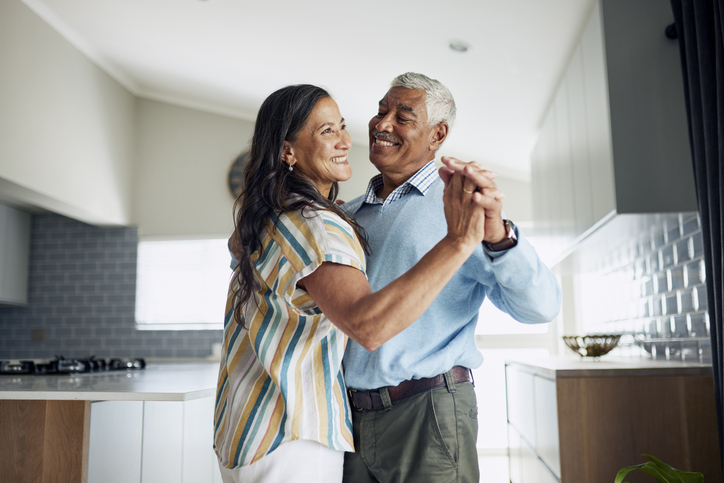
(182, 284)
(492, 320)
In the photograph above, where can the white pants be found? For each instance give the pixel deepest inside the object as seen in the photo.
(296, 461)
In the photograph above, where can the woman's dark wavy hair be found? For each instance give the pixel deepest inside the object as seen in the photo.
(270, 188)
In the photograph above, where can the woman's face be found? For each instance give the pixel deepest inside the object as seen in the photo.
(320, 150)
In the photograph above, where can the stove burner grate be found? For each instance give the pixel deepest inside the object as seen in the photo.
(61, 365)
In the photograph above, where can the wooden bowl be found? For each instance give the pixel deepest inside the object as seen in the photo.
(594, 345)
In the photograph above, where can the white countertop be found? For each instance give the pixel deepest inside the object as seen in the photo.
(157, 382)
(574, 366)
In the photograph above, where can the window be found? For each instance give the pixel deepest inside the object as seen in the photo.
(182, 284)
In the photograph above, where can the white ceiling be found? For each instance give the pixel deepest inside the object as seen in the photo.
(226, 56)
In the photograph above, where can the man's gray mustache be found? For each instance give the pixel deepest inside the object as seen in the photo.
(384, 136)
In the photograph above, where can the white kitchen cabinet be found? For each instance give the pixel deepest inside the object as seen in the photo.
(525, 466)
(199, 460)
(532, 427)
(521, 413)
(152, 442)
(14, 255)
(583, 217)
(546, 423)
(565, 213)
(162, 441)
(116, 434)
(532, 470)
(598, 118)
(515, 456)
(615, 137)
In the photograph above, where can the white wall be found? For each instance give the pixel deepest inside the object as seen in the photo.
(184, 156)
(518, 202)
(66, 141)
(183, 159)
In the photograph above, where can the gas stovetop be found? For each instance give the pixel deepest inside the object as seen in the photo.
(61, 365)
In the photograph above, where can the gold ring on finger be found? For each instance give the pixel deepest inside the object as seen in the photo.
(468, 191)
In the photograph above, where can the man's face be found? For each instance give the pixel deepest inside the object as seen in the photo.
(401, 140)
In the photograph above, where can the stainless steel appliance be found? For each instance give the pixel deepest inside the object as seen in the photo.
(60, 365)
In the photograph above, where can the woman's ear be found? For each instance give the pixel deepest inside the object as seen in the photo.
(288, 154)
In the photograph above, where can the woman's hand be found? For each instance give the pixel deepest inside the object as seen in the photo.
(481, 181)
(464, 211)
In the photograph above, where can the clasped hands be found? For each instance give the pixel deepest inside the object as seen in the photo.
(469, 192)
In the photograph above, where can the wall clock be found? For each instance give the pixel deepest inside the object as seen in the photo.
(235, 178)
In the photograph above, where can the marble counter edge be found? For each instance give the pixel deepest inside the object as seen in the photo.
(158, 382)
(566, 367)
(105, 396)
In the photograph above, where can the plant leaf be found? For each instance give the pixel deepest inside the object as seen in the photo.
(662, 475)
(663, 472)
(679, 475)
(624, 471)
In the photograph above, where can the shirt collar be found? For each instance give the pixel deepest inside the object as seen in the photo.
(422, 180)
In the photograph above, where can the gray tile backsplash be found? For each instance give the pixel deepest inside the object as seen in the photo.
(81, 300)
(645, 279)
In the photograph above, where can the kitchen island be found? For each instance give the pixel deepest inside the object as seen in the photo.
(153, 424)
(572, 419)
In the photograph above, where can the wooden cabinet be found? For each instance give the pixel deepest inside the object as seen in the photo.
(154, 426)
(574, 422)
(614, 139)
(44, 441)
(152, 441)
(14, 255)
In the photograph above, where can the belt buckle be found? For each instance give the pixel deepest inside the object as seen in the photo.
(362, 400)
(351, 393)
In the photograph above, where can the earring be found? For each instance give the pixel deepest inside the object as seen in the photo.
(290, 168)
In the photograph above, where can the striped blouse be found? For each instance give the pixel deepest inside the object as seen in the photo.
(281, 380)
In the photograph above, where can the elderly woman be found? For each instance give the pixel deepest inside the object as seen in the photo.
(299, 290)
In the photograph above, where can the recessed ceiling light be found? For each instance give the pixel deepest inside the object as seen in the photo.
(459, 46)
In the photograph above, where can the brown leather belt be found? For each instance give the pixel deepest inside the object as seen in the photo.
(372, 400)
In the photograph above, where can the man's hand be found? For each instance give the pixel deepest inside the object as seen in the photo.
(479, 180)
(464, 212)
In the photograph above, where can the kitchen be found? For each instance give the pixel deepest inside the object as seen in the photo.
(118, 168)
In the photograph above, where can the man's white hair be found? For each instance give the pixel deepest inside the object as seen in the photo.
(438, 99)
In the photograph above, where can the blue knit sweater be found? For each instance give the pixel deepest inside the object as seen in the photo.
(400, 234)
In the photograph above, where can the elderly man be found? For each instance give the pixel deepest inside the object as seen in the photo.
(413, 402)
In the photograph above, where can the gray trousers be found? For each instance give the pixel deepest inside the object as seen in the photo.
(429, 437)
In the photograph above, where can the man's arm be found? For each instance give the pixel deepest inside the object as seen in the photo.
(526, 289)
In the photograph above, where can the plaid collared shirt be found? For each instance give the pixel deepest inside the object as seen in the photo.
(420, 181)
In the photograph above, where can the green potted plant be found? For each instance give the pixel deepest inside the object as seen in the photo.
(661, 471)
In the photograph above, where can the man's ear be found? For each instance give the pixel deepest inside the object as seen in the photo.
(439, 134)
(288, 154)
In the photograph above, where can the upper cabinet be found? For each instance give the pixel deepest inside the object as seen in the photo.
(615, 138)
(14, 255)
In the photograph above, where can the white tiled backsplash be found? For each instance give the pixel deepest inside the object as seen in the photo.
(644, 277)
